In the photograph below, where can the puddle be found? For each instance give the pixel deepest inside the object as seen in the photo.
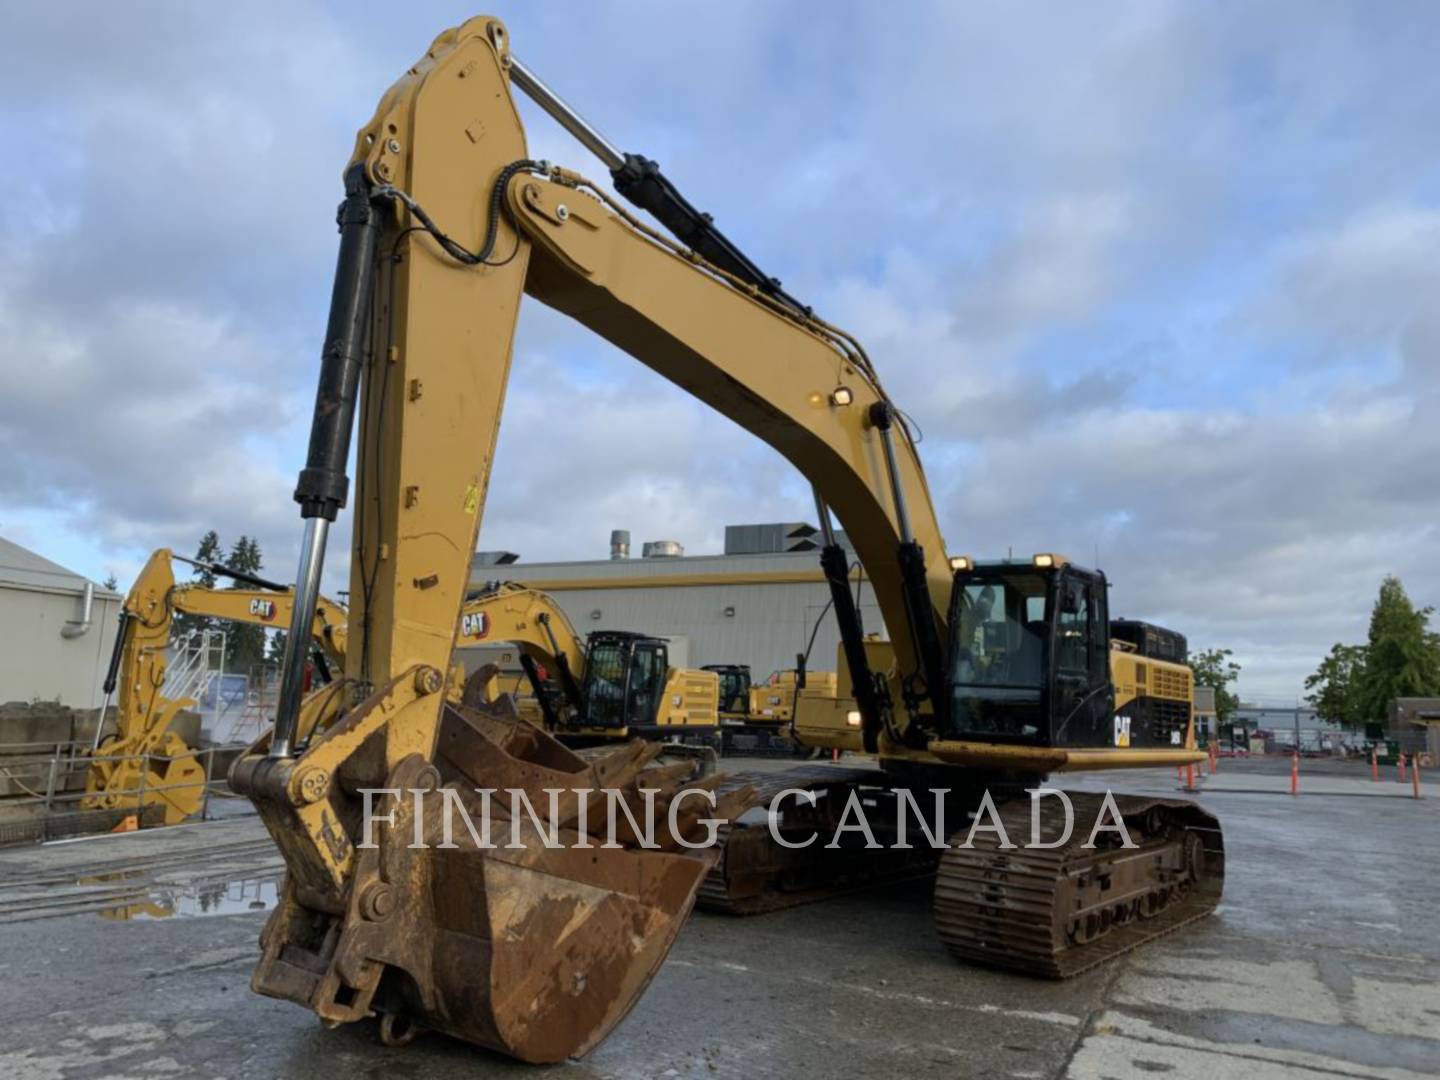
(229, 898)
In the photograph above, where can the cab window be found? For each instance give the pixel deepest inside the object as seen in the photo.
(1002, 633)
(1073, 630)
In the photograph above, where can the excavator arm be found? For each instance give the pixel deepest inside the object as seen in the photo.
(445, 224)
(510, 611)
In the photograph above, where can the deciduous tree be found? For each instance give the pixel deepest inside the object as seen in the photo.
(1217, 668)
(1335, 686)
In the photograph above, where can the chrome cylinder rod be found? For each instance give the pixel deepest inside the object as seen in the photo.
(827, 531)
(892, 466)
(536, 90)
(297, 641)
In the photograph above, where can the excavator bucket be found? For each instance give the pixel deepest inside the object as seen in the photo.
(165, 781)
(528, 930)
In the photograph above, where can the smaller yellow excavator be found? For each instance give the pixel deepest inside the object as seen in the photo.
(145, 762)
(758, 719)
(613, 685)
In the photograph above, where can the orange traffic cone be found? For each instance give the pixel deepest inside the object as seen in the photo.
(1415, 777)
(1374, 765)
(1295, 773)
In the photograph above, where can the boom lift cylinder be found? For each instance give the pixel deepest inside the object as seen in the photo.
(918, 606)
(835, 565)
(323, 485)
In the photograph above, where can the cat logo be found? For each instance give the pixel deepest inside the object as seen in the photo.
(476, 625)
(263, 609)
(1122, 731)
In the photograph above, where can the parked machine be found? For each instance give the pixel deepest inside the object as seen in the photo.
(757, 719)
(144, 762)
(612, 686)
(537, 950)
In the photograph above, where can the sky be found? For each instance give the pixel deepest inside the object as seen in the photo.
(1156, 280)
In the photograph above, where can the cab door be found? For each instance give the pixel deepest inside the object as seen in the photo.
(1082, 699)
(647, 682)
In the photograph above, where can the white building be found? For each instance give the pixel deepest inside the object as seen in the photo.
(757, 604)
(56, 631)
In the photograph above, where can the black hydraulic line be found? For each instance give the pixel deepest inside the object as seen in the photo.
(921, 613)
(640, 180)
(323, 486)
(547, 707)
(573, 694)
(221, 570)
(321, 667)
(929, 681)
(836, 566)
(112, 673)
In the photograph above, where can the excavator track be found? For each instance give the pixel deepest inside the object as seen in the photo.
(1057, 912)
(754, 874)
(759, 742)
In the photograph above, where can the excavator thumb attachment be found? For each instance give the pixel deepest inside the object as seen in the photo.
(527, 925)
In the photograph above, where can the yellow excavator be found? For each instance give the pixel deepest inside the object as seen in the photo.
(145, 762)
(610, 686)
(537, 949)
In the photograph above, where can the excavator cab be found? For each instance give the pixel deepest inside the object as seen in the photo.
(734, 687)
(624, 677)
(1030, 661)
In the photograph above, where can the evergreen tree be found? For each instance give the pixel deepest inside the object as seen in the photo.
(244, 645)
(208, 551)
(1402, 657)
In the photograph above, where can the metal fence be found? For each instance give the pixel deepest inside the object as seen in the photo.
(44, 786)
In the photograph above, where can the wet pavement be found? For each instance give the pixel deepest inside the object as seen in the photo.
(1321, 962)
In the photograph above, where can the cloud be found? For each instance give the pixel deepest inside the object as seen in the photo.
(1154, 283)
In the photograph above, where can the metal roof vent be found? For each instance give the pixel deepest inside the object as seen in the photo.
(662, 549)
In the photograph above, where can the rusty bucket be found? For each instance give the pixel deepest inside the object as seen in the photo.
(534, 940)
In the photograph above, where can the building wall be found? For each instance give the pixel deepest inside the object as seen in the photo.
(36, 663)
(775, 599)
